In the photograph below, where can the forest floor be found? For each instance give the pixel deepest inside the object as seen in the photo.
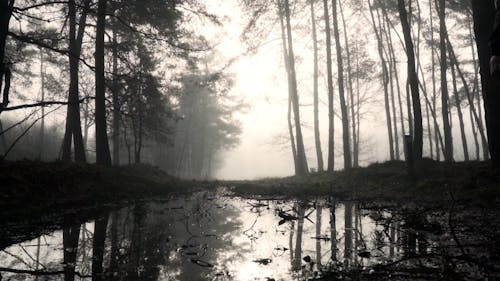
(56, 185)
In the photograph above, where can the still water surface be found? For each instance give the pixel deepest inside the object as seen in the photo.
(210, 237)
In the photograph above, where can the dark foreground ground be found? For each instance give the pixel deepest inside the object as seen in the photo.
(37, 198)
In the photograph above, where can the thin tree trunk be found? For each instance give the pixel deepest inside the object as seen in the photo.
(319, 209)
(433, 72)
(116, 102)
(460, 114)
(103, 156)
(350, 87)
(331, 115)
(289, 112)
(475, 93)
(42, 124)
(317, 139)
(412, 74)
(343, 106)
(385, 81)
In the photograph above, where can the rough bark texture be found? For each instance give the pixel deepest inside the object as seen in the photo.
(103, 156)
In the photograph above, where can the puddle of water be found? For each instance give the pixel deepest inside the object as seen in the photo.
(208, 238)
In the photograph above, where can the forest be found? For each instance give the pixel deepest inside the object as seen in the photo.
(141, 139)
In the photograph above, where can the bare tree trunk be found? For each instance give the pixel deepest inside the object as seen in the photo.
(331, 115)
(475, 93)
(350, 88)
(343, 107)
(73, 123)
(317, 139)
(460, 114)
(103, 156)
(42, 124)
(289, 113)
(385, 79)
(448, 141)
(116, 101)
(433, 72)
(414, 85)
(5, 15)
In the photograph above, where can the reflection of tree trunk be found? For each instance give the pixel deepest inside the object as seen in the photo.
(392, 235)
(319, 209)
(348, 251)
(333, 232)
(298, 241)
(331, 116)
(113, 257)
(100, 227)
(70, 248)
(290, 241)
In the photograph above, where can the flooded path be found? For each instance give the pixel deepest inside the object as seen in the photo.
(212, 237)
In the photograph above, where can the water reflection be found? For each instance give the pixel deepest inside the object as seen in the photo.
(209, 238)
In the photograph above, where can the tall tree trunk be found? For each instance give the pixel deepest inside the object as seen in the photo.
(475, 94)
(454, 61)
(460, 114)
(103, 156)
(317, 139)
(5, 15)
(350, 87)
(116, 101)
(42, 99)
(289, 112)
(433, 72)
(73, 123)
(331, 115)
(412, 74)
(448, 141)
(385, 80)
(343, 106)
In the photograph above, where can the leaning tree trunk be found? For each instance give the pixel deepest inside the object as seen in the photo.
(343, 107)
(103, 156)
(331, 116)
(385, 80)
(413, 78)
(317, 139)
(5, 15)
